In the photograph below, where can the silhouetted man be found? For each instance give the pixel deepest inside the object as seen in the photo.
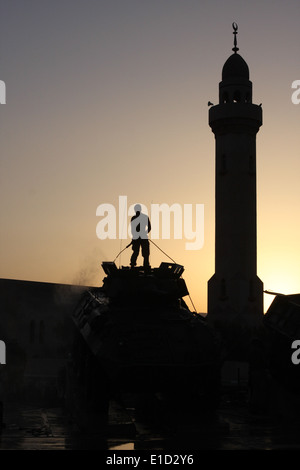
(140, 227)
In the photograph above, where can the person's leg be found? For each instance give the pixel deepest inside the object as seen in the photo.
(135, 252)
(146, 252)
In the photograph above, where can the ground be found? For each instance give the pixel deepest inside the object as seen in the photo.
(232, 427)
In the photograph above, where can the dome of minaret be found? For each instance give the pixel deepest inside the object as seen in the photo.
(235, 67)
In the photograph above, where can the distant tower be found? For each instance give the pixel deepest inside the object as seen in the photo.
(234, 291)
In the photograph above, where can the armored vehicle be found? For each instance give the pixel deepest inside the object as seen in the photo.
(138, 335)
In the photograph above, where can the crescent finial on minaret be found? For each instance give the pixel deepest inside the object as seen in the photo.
(235, 29)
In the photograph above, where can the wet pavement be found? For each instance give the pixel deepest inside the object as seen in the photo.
(232, 427)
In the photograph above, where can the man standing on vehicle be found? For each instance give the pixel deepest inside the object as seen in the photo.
(140, 227)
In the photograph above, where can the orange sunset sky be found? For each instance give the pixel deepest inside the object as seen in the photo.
(109, 98)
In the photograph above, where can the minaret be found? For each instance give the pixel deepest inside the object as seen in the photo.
(235, 293)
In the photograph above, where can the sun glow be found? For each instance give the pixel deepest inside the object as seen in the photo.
(281, 280)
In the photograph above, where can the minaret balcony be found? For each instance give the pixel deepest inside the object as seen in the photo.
(235, 117)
